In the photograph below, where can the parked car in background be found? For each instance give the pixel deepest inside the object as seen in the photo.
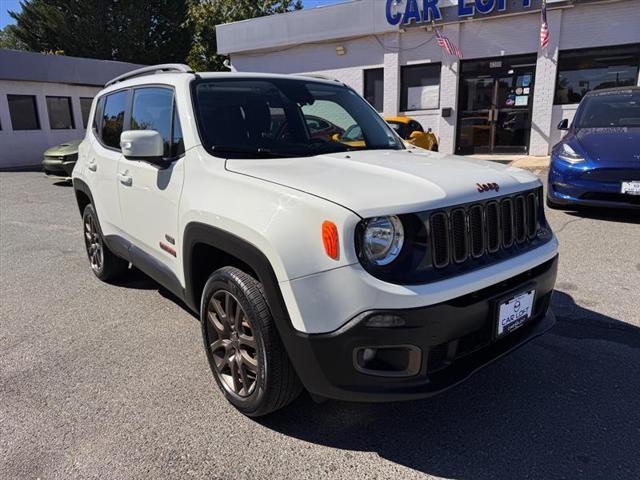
(412, 132)
(59, 161)
(598, 161)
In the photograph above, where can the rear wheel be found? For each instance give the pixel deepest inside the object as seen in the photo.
(245, 353)
(104, 263)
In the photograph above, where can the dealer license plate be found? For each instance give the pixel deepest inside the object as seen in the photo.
(514, 313)
(631, 188)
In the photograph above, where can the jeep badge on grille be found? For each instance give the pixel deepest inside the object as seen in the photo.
(485, 187)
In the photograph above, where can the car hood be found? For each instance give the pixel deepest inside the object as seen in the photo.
(615, 144)
(381, 182)
(67, 148)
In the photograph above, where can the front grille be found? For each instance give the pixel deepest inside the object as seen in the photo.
(477, 230)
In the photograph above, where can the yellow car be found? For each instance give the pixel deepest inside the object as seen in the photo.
(412, 132)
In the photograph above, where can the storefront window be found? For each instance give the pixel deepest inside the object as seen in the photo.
(420, 87)
(374, 87)
(580, 71)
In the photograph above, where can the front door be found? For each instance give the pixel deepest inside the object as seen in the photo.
(149, 194)
(496, 98)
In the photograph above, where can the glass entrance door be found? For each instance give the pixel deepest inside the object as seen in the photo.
(495, 105)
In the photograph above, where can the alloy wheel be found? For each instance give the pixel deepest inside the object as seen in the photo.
(93, 242)
(233, 344)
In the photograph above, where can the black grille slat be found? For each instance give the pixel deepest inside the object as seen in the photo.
(465, 232)
(440, 239)
(476, 231)
(532, 215)
(519, 219)
(458, 223)
(506, 210)
(493, 227)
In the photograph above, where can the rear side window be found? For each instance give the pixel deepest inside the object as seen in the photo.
(113, 118)
(153, 109)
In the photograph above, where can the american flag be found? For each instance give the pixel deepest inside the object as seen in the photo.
(544, 26)
(447, 45)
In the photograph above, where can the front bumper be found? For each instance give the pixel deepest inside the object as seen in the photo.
(586, 185)
(57, 167)
(454, 339)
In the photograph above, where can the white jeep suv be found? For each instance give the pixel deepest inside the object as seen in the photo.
(342, 263)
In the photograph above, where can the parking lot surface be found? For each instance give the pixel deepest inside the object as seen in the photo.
(111, 381)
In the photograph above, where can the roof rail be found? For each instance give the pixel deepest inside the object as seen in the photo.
(150, 70)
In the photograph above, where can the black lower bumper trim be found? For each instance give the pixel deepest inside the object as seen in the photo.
(456, 338)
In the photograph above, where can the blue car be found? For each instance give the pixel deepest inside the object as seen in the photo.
(597, 163)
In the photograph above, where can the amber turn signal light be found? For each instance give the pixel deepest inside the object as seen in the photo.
(330, 239)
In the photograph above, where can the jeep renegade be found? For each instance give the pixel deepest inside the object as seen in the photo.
(360, 271)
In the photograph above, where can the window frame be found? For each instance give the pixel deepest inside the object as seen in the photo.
(586, 51)
(404, 89)
(37, 113)
(364, 86)
(127, 115)
(69, 104)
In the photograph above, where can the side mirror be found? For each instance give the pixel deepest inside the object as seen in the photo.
(416, 134)
(144, 145)
(564, 124)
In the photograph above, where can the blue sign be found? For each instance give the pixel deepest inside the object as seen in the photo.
(427, 11)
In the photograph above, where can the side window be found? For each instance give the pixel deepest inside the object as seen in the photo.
(113, 118)
(153, 110)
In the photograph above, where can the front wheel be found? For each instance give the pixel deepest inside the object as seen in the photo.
(245, 353)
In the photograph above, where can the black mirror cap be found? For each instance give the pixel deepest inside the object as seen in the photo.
(564, 124)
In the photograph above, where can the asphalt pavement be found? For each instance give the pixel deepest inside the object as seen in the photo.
(111, 381)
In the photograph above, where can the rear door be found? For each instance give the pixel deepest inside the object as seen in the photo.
(150, 194)
(103, 158)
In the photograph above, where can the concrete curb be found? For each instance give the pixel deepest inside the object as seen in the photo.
(531, 163)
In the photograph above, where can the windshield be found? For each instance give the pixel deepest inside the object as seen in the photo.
(255, 118)
(620, 109)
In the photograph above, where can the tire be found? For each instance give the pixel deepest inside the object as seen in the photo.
(104, 263)
(245, 353)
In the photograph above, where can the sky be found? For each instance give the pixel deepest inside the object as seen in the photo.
(14, 5)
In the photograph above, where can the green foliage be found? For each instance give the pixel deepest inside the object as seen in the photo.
(204, 15)
(146, 32)
(9, 40)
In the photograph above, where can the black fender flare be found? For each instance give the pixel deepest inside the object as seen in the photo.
(196, 232)
(296, 343)
(81, 186)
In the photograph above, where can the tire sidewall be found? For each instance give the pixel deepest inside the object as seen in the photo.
(225, 281)
(89, 211)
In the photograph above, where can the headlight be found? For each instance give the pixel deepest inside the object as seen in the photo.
(383, 238)
(568, 154)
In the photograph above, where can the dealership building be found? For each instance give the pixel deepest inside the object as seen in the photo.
(505, 96)
(45, 100)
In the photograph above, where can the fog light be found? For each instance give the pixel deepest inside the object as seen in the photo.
(388, 361)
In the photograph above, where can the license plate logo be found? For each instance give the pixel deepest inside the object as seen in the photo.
(630, 188)
(513, 313)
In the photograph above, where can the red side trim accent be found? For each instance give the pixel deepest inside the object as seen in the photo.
(168, 249)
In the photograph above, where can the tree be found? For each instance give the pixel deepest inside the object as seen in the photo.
(8, 39)
(148, 32)
(204, 15)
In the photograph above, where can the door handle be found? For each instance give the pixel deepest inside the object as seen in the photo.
(92, 165)
(125, 179)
